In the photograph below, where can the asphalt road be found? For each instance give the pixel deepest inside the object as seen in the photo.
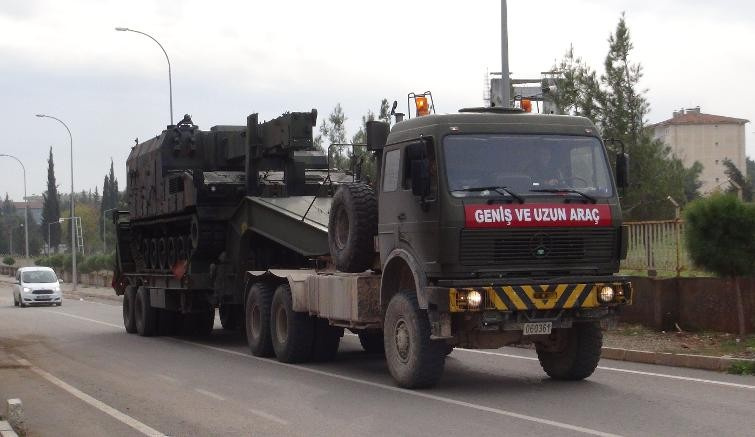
(78, 373)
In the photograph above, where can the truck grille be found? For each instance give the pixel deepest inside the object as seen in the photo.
(537, 247)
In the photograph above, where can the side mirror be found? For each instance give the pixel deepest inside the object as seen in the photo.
(622, 169)
(420, 172)
(377, 134)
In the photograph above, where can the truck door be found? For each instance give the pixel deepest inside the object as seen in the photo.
(408, 220)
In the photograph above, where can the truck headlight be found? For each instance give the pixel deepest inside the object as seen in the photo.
(606, 294)
(474, 299)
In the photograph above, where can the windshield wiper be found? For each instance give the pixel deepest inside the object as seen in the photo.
(565, 190)
(502, 190)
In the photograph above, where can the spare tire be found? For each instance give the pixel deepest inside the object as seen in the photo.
(352, 225)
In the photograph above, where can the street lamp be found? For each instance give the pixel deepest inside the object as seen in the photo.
(73, 228)
(26, 205)
(104, 234)
(170, 81)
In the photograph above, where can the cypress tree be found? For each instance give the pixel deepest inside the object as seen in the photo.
(51, 206)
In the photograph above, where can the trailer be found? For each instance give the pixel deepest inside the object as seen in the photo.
(481, 229)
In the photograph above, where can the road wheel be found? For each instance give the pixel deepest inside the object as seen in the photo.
(15, 301)
(144, 313)
(129, 300)
(326, 342)
(257, 319)
(578, 355)
(372, 341)
(291, 331)
(352, 224)
(413, 359)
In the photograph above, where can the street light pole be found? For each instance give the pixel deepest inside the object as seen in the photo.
(170, 80)
(104, 234)
(73, 227)
(26, 205)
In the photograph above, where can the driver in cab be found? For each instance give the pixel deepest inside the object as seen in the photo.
(542, 170)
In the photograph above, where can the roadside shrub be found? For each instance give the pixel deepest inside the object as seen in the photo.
(742, 368)
(43, 261)
(56, 261)
(85, 265)
(720, 237)
(9, 260)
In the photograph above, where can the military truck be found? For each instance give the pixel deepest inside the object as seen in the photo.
(482, 228)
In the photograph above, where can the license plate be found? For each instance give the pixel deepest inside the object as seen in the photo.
(539, 328)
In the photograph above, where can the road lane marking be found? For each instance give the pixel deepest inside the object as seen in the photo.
(425, 395)
(268, 416)
(167, 378)
(210, 394)
(61, 313)
(105, 408)
(634, 372)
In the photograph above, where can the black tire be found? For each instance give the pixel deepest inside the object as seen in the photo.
(352, 226)
(129, 300)
(372, 342)
(414, 360)
(15, 301)
(144, 314)
(257, 319)
(579, 355)
(291, 332)
(448, 349)
(326, 341)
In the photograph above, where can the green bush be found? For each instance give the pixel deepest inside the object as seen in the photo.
(56, 261)
(85, 265)
(43, 262)
(8, 260)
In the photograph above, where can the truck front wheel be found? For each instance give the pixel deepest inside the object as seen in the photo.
(257, 319)
(414, 360)
(129, 320)
(292, 332)
(576, 354)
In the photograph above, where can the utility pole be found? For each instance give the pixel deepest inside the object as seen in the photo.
(505, 79)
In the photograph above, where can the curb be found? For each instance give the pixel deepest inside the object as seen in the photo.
(703, 362)
(6, 430)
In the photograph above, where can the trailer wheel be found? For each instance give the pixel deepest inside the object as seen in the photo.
(144, 313)
(326, 342)
(372, 341)
(579, 355)
(352, 226)
(257, 319)
(414, 360)
(291, 331)
(129, 318)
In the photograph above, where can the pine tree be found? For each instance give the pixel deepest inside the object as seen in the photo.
(51, 207)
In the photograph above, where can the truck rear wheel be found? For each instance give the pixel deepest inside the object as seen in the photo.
(144, 313)
(257, 319)
(352, 224)
(372, 341)
(129, 298)
(291, 331)
(578, 355)
(326, 342)
(414, 360)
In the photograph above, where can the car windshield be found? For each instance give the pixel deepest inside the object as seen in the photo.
(526, 163)
(38, 277)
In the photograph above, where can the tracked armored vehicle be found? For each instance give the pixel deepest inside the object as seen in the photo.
(483, 228)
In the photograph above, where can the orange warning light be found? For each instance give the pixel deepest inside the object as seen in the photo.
(526, 105)
(422, 107)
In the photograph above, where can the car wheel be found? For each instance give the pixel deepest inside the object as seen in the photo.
(15, 301)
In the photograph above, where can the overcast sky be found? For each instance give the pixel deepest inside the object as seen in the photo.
(231, 58)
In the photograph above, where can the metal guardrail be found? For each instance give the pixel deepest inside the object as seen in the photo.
(657, 246)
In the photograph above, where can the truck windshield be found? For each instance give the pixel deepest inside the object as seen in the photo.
(526, 163)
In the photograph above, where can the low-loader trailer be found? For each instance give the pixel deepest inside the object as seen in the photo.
(484, 228)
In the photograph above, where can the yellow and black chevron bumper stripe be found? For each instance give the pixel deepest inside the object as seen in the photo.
(537, 297)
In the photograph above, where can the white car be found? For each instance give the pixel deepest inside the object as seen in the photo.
(35, 286)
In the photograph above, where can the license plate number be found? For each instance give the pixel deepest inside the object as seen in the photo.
(540, 328)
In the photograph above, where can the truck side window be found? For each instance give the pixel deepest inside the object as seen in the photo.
(420, 150)
(390, 173)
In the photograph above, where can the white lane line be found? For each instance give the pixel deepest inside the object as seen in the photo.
(210, 394)
(268, 416)
(412, 393)
(634, 372)
(107, 409)
(60, 313)
(167, 378)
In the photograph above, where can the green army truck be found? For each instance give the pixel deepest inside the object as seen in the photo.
(484, 228)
